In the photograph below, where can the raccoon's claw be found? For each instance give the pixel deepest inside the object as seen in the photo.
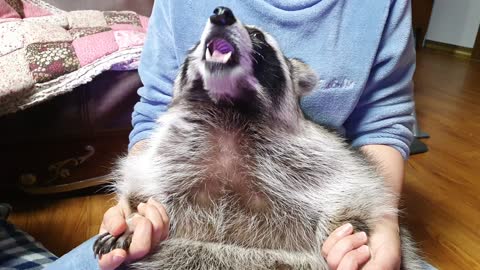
(107, 242)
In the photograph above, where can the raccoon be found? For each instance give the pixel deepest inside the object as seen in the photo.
(247, 181)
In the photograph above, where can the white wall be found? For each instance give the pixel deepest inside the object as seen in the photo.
(455, 22)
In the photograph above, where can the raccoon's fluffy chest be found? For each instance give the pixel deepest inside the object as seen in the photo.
(228, 198)
(227, 167)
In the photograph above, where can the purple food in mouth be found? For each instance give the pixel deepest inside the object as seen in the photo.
(220, 45)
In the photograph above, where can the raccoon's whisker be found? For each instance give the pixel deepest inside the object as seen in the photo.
(259, 54)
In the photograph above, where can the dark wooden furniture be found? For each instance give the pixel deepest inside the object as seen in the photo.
(421, 12)
(71, 141)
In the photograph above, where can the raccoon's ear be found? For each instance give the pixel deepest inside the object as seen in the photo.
(304, 78)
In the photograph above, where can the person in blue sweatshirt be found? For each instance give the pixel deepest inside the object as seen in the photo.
(363, 52)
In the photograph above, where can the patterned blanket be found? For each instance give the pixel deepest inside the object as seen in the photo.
(20, 251)
(45, 51)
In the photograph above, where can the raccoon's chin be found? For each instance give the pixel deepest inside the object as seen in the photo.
(227, 87)
(221, 89)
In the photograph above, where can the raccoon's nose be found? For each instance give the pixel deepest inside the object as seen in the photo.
(223, 16)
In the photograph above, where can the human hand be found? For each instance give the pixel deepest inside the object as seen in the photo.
(385, 246)
(149, 226)
(345, 250)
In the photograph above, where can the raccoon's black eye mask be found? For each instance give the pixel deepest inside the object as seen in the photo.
(267, 68)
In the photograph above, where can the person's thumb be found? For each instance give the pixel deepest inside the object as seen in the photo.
(113, 259)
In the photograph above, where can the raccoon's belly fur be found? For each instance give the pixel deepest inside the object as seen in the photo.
(248, 198)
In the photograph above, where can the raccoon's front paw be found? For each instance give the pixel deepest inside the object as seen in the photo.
(107, 242)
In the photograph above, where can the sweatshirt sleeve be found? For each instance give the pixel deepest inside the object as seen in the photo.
(158, 67)
(383, 114)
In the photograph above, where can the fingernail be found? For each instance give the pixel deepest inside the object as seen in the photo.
(363, 235)
(364, 249)
(117, 259)
(345, 229)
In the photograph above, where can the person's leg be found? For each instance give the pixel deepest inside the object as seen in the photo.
(80, 258)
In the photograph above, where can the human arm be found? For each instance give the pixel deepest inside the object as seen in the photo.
(346, 250)
(157, 70)
(385, 240)
(380, 126)
(138, 147)
(150, 226)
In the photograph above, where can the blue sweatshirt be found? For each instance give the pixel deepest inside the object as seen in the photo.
(362, 50)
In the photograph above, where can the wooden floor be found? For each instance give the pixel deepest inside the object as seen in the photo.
(442, 186)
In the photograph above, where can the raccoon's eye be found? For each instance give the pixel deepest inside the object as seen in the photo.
(259, 36)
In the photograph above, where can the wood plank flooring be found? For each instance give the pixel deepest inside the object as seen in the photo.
(61, 224)
(442, 186)
(441, 191)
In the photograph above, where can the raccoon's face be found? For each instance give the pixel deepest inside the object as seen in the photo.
(243, 67)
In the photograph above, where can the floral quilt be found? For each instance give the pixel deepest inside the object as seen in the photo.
(45, 51)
